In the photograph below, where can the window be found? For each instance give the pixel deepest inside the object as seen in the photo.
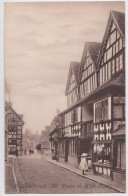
(114, 49)
(118, 35)
(117, 63)
(109, 53)
(120, 154)
(120, 44)
(85, 87)
(101, 110)
(109, 70)
(74, 115)
(121, 61)
(113, 37)
(101, 76)
(113, 66)
(106, 72)
(117, 47)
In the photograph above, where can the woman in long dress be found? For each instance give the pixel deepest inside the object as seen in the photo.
(83, 163)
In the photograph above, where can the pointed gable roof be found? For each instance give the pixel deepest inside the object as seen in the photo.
(8, 107)
(94, 49)
(118, 18)
(74, 68)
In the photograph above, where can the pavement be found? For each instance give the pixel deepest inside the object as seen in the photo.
(90, 175)
(10, 185)
(40, 174)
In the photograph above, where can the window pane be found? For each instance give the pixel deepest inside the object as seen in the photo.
(101, 76)
(109, 70)
(120, 44)
(117, 63)
(109, 53)
(105, 110)
(113, 37)
(114, 51)
(117, 46)
(113, 66)
(121, 61)
(106, 72)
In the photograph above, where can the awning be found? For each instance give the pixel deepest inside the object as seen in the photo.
(119, 131)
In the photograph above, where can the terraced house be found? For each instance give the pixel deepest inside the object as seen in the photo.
(94, 120)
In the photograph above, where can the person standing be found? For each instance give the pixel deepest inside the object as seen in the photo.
(83, 163)
(16, 152)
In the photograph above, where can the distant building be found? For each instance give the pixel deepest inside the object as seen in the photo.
(45, 146)
(13, 128)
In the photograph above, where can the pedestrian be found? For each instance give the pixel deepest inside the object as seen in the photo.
(30, 152)
(83, 164)
(25, 152)
(16, 152)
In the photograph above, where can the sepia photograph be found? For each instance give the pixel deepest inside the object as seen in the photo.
(64, 73)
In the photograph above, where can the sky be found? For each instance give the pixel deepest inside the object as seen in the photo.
(41, 39)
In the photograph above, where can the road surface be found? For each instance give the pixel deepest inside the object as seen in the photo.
(40, 176)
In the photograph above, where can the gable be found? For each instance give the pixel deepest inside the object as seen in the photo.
(88, 67)
(72, 83)
(112, 35)
(13, 116)
(73, 76)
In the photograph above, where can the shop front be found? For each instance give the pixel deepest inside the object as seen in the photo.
(119, 155)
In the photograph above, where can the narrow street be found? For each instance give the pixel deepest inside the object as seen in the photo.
(40, 176)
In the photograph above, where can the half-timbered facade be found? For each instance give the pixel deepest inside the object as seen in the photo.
(14, 126)
(96, 102)
(72, 84)
(109, 107)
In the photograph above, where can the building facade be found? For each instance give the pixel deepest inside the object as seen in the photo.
(45, 146)
(95, 93)
(14, 130)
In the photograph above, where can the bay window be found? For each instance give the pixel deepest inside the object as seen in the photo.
(101, 110)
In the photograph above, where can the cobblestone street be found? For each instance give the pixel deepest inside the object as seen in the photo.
(40, 176)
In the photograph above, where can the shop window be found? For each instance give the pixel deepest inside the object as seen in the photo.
(102, 153)
(120, 154)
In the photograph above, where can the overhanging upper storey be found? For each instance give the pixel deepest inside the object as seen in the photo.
(111, 59)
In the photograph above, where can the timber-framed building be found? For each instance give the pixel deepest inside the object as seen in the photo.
(14, 130)
(94, 121)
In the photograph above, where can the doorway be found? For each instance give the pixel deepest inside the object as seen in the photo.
(66, 150)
